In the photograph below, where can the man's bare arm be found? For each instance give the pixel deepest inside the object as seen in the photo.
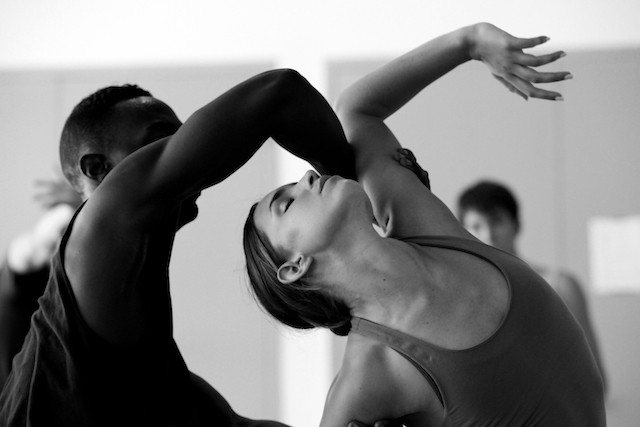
(109, 244)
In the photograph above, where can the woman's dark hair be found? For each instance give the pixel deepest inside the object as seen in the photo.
(299, 304)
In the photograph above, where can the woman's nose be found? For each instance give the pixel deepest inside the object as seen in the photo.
(309, 178)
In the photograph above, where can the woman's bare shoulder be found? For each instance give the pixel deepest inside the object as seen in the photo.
(375, 383)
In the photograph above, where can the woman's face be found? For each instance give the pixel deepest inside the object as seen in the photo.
(306, 217)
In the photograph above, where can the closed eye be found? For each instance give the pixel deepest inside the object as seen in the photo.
(289, 202)
(277, 197)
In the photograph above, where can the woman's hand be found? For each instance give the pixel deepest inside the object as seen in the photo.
(503, 54)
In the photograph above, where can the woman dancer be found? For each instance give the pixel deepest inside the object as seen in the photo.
(443, 330)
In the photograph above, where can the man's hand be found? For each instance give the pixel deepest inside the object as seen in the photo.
(56, 191)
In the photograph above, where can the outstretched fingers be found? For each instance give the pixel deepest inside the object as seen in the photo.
(524, 78)
(511, 87)
(526, 43)
(535, 76)
(525, 62)
(531, 60)
(519, 75)
(523, 86)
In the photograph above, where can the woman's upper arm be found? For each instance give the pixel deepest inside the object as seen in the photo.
(359, 393)
(376, 383)
(402, 205)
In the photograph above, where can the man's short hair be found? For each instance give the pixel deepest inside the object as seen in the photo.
(490, 199)
(87, 128)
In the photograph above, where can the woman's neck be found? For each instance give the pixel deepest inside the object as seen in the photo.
(385, 280)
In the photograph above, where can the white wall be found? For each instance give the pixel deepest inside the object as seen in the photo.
(80, 33)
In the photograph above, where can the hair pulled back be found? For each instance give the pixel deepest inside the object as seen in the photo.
(299, 305)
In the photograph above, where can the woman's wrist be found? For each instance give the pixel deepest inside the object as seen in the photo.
(472, 35)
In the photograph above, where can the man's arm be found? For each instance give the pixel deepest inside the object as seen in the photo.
(109, 242)
(219, 138)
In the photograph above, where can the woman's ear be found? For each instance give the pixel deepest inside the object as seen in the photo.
(94, 166)
(292, 271)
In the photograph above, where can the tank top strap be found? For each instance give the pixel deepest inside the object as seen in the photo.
(444, 241)
(407, 346)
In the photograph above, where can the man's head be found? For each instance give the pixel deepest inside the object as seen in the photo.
(489, 211)
(106, 127)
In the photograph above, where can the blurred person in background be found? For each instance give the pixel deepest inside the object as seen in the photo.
(491, 212)
(24, 271)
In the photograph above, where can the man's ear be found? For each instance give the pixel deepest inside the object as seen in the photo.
(94, 166)
(292, 271)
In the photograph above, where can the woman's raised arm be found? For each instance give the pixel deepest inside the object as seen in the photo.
(402, 205)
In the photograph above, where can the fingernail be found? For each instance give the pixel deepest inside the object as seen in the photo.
(559, 98)
(545, 39)
(563, 54)
(568, 77)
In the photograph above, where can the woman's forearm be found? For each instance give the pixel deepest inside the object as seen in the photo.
(384, 91)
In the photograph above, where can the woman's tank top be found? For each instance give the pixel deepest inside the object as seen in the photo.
(535, 370)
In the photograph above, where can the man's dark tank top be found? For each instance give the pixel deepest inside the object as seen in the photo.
(20, 293)
(535, 370)
(66, 375)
